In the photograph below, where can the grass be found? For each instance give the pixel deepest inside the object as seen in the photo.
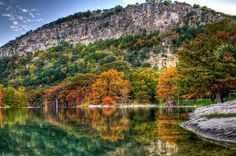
(220, 115)
(198, 102)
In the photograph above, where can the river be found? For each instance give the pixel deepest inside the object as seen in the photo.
(106, 131)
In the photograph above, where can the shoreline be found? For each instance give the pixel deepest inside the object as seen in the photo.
(107, 106)
(218, 130)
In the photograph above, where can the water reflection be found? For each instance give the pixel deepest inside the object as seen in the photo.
(108, 131)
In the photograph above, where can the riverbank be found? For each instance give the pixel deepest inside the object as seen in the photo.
(215, 123)
(115, 106)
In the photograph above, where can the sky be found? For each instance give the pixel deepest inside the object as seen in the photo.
(19, 16)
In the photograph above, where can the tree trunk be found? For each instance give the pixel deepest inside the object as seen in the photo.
(219, 97)
(108, 87)
(56, 105)
(181, 101)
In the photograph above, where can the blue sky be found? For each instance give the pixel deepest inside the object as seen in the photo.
(19, 16)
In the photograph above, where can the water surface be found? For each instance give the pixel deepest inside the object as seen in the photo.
(108, 131)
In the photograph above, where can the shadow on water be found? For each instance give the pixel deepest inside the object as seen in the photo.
(107, 131)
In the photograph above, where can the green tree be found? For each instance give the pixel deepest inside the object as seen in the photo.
(143, 82)
(207, 64)
(15, 98)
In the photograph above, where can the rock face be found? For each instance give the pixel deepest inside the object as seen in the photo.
(90, 26)
(219, 130)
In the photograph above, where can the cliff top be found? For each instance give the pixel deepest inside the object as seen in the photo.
(101, 13)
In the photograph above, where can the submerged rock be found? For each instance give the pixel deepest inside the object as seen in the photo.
(220, 130)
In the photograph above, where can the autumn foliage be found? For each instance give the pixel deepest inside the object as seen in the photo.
(207, 64)
(167, 84)
(107, 100)
(2, 95)
(107, 88)
(110, 84)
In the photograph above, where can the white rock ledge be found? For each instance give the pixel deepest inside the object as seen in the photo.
(218, 130)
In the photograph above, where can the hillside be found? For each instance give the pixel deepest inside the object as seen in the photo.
(123, 64)
(89, 27)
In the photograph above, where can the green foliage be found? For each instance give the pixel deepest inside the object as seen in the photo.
(197, 102)
(167, 2)
(186, 33)
(15, 98)
(36, 97)
(48, 68)
(118, 8)
(207, 61)
(207, 64)
(196, 6)
(143, 81)
(221, 115)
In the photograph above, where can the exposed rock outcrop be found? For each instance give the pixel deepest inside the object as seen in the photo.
(90, 26)
(218, 130)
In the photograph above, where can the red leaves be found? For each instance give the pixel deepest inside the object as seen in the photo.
(108, 100)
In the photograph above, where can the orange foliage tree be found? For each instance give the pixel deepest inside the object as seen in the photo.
(110, 84)
(167, 85)
(79, 89)
(53, 95)
(72, 92)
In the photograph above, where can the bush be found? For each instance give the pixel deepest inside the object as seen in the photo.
(167, 2)
(118, 8)
(196, 6)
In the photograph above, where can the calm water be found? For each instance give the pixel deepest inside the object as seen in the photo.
(111, 132)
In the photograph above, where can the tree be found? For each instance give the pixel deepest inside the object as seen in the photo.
(167, 89)
(78, 88)
(196, 6)
(15, 98)
(35, 97)
(143, 82)
(52, 95)
(2, 95)
(167, 2)
(207, 64)
(109, 84)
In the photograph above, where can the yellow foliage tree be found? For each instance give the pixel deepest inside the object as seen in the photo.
(2, 95)
(15, 98)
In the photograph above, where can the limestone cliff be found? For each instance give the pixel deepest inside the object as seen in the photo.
(88, 27)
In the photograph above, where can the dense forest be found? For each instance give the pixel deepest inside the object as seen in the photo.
(117, 71)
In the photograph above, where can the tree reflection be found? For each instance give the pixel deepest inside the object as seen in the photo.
(168, 129)
(109, 131)
(111, 125)
(16, 116)
(2, 118)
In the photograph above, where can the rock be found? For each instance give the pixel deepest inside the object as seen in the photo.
(89, 27)
(218, 130)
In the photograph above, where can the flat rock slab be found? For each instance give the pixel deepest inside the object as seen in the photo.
(218, 130)
(227, 107)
